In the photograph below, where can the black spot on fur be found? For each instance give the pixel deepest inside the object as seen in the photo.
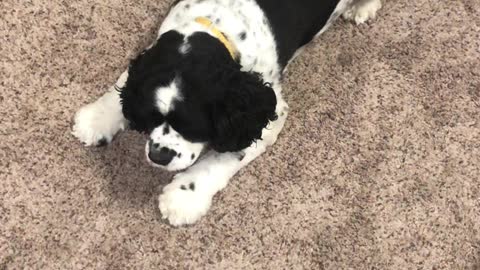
(243, 35)
(166, 130)
(193, 156)
(191, 186)
(102, 142)
(179, 155)
(241, 155)
(182, 187)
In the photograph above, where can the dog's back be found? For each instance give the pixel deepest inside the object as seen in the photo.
(296, 22)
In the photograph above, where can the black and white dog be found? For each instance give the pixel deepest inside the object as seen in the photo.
(208, 91)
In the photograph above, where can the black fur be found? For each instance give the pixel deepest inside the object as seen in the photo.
(145, 74)
(221, 105)
(296, 22)
(242, 112)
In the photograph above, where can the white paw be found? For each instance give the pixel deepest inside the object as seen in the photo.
(97, 123)
(182, 201)
(361, 13)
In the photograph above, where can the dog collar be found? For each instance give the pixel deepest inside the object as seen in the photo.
(219, 35)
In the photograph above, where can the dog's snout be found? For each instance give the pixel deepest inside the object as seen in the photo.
(160, 155)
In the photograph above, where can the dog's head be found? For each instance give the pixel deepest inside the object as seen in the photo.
(189, 94)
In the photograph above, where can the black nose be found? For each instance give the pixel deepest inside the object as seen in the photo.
(160, 155)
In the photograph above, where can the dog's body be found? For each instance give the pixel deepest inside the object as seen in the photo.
(212, 80)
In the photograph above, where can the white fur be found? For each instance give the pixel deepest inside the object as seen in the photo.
(102, 119)
(362, 11)
(187, 152)
(166, 97)
(185, 47)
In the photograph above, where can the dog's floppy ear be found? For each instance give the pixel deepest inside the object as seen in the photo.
(154, 67)
(240, 104)
(241, 113)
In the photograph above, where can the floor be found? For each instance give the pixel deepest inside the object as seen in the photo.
(378, 166)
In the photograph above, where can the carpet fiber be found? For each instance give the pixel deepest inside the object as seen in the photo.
(378, 166)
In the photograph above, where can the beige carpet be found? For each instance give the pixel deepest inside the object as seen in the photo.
(377, 168)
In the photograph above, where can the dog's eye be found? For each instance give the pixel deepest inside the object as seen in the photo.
(145, 122)
(155, 120)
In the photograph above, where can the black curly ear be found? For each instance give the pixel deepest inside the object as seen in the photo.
(154, 67)
(242, 112)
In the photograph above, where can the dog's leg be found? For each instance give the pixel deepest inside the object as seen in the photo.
(190, 194)
(362, 10)
(97, 123)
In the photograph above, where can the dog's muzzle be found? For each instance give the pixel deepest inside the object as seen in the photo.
(160, 155)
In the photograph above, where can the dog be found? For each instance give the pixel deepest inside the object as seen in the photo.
(208, 90)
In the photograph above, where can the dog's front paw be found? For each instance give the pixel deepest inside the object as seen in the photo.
(182, 202)
(97, 123)
(363, 11)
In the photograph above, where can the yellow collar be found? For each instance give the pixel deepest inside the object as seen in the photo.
(219, 35)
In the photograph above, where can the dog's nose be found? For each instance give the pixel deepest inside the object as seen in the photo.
(160, 155)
